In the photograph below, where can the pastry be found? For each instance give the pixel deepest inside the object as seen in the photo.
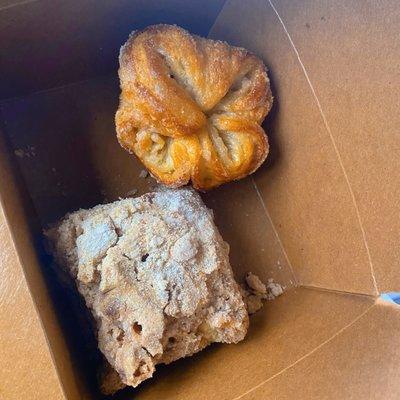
(155, 274)
(191, 108)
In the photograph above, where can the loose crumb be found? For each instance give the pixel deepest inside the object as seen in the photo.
(29, 151)
(143, 174)
(274, 289)
(255, 284)
(254, 291)
(253, 303)
(19, 153)
(132, 193)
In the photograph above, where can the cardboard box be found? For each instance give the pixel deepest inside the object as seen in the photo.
(322, 216)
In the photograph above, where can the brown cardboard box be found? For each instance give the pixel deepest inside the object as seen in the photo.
(322, 216)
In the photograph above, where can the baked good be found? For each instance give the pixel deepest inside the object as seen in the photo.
(155, 274)
(191, 108)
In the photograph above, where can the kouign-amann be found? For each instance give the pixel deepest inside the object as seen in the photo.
(191, 108)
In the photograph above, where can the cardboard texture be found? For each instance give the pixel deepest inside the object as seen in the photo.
(352, 365)
(359, 96)
(22, 340)
(28, 322)
(321, 216)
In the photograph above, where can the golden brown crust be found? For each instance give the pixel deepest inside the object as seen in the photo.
(191, 108)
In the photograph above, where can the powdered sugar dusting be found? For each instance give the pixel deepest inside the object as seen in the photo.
(155, 273)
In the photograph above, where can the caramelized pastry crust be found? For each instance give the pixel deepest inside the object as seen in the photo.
(191, 108)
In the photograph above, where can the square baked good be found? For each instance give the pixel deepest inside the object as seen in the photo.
(155, 274)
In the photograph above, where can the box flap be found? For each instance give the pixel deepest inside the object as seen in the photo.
(21, 334)
(285, 331)
(24, 338)
(359, 362)
(351, 52)
(332, 192)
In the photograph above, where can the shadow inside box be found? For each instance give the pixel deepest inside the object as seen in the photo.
(76, 322)
(270, 127)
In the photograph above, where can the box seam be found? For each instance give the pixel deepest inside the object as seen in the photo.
(20, 263)
(338, 291)
(268, 217)
(336, 334)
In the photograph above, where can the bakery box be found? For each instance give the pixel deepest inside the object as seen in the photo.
(321, 216)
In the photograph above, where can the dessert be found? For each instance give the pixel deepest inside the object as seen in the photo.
(155, 274)
(191, 108)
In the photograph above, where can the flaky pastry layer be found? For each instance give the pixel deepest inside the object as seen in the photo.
(191, 108)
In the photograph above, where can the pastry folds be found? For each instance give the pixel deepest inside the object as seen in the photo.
(191, 108)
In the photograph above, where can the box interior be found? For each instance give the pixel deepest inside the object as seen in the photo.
(320, 217)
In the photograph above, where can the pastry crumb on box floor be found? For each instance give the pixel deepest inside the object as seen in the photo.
(254, 291)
